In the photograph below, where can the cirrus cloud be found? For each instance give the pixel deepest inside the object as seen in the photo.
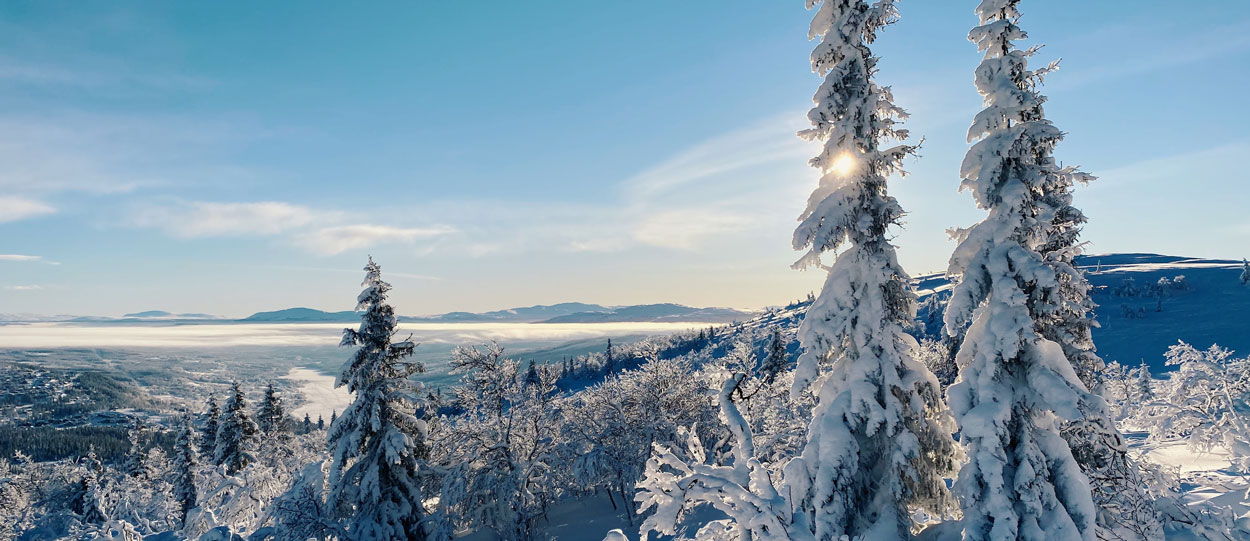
(203, 219)
(20, 258)
(13, 209)
(339, 239)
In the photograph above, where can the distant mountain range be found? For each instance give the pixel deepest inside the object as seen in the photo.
(569, 312)
(161, 314)
(150, 315)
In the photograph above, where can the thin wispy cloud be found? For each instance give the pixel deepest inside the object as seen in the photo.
(389, 273)
(766, 142)
(20, 257)
(112, 153)
(23, 258)
(13, 209)
(24, 288)
(339, 239)
(686, 229)
(718, 186)
(204, 219)
(320, 232)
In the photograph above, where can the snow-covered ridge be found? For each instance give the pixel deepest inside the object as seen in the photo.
(1138, 318)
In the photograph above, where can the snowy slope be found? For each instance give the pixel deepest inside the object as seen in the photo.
(1213, 308)
(1216, 308)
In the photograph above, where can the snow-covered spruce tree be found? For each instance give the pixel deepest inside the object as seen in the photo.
(377, 445)
(271, 417)
(776, 360)
(1068, 318)
(531, 375)
(132, 464)
(185, 465)
(1145, 389)
(236, 434)
(609, 360)
(212, 423)
(87, 499)
(1245, 272)
(879, 442)
(1125, 508)
(1021, 480)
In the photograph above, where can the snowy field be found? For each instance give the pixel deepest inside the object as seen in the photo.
(319, 396)
(1206, 477)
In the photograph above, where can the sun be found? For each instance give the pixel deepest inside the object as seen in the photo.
(843, 164)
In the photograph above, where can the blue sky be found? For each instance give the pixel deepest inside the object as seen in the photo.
(230, 157)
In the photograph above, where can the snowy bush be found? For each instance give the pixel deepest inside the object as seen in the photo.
(1204, 400)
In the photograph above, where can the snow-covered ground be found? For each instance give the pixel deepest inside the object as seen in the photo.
(320, 398)
(1205, 476)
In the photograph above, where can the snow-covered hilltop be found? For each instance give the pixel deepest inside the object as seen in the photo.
(1146, 303)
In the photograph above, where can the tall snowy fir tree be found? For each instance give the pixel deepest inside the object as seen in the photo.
(271, 417)
(878, 443)
(1145, 389)
(609, 359)
(1245, 272)
(776, 358)
(1021, 480)
(377, 444)
(132, 465)
(208, 434)
(1123, 505)
(236, 435)
(185, 464)
(87, 499)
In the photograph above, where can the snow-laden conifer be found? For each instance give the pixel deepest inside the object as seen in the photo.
(1067, 318)
(272, 416)
(531, 375)
(1245, 272)
(208, 434)
(879, 443)
(1145, 388)
(609, 359)
(237, 433)
(375, 446)
(184, 468)
(132, 464)
(87, 498)
(776, 358)
(1021, 480)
